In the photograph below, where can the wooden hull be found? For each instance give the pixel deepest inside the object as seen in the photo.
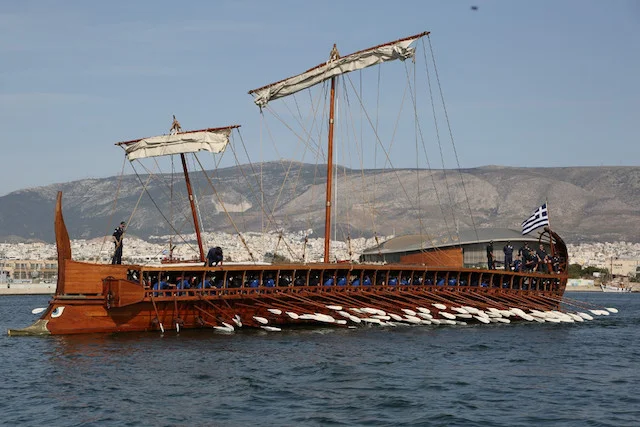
(105, 298)
(112, 303)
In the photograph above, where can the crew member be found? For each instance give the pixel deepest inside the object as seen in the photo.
(214, 256)
(529, 258)
(543, 259)
(117, 237)
(491, 264)
(508, 255)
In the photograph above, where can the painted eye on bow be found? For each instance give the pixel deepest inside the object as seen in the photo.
(57, 312)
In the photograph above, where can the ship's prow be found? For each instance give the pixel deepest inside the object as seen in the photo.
(63, 245)
(39, 328)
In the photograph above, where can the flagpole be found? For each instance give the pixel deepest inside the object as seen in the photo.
(546, 202)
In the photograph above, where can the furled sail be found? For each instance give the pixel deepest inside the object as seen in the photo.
(213, 140)
(400, 49)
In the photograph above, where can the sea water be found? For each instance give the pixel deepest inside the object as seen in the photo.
(526, 374)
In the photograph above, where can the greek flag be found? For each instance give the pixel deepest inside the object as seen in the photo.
(539, 218)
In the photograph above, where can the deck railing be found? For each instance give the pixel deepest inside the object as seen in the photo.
(229, 281)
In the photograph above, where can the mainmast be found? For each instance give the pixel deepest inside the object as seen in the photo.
(336, 66)
(327, 213)
(334, 55)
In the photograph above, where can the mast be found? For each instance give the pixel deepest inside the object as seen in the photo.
(337, 65)
(327, 214)
(213, 140)
(196, 223)
(546, 203)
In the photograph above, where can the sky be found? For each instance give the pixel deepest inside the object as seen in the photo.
(548, 83)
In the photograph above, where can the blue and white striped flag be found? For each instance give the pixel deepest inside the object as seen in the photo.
(539, 218)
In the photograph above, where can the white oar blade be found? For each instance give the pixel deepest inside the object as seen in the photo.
(260, 320)
(482, 319)
(229, 326)
(236, 319)
(585, 316)
(38, 310)
(355, 319)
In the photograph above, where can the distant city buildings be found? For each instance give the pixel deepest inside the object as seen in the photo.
(38, 261)
(619, 258)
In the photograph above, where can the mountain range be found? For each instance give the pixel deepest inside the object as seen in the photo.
(586, 204)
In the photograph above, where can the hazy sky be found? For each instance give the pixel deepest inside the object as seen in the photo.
(527, 83)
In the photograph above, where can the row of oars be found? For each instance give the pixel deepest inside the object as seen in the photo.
(396, 310)
(436, 314)
(385, 309)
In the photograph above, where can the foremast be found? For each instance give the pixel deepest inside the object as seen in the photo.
(213, 140)
(192, 203)
(336, 66)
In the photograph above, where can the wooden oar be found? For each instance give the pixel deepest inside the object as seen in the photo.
(582, 304)
(157, 315)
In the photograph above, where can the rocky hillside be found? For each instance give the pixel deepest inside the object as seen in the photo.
(586, 204)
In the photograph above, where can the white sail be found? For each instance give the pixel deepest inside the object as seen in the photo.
(213, 140)
(356, 61)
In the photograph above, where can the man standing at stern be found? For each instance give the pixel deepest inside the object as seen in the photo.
(508, 255)
(491, 263)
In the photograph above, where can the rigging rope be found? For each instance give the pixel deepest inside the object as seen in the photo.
(388, 161)
(265, 212)
(233, 224)
(451, 136)
(113, 209)
(145, 188)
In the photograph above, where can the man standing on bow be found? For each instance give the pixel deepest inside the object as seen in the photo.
(117, 236)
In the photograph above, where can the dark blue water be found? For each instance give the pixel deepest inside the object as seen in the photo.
(527, 374)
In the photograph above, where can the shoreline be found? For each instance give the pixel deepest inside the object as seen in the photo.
(596, 288)
(583, 289)
(27, 289)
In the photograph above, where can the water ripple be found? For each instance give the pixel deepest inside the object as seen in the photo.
(495, 375)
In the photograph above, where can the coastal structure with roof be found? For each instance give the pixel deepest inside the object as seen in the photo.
(468, 249)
